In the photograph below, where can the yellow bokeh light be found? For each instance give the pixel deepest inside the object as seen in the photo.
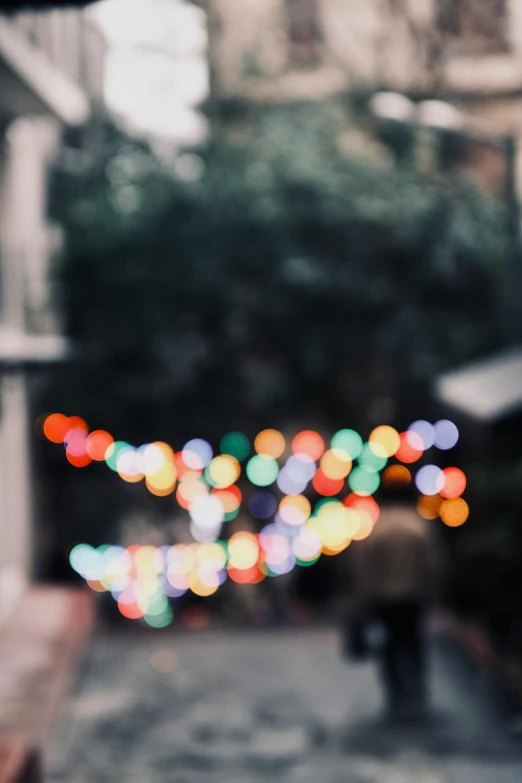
(353, 521)
(336, 463)
(130, 478)
(224, 471)
(162, 481)
(333, 526)
(199, 588)
(243, 550)
(454, 512)
(270, 443)
(212, 554)
(365, 526)
(384, 441)
(144, 560)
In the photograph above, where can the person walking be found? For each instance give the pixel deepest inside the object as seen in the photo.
(396, 572)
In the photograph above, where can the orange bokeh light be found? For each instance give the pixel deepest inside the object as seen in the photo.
(396, 476)
(271, 443)
(230, 498)
(454, 512)
(55, 427)
(428, 506)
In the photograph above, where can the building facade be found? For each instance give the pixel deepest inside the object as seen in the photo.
(468, 52)
(285, 49)
(51, 76)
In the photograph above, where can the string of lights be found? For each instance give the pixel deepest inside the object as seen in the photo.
(310, 498)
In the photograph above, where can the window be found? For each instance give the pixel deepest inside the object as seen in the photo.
(304, 35)
(475, 25)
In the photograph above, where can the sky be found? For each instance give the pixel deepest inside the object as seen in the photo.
(156, 72)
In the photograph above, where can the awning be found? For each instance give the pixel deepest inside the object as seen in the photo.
(488, 391)
(32, 84)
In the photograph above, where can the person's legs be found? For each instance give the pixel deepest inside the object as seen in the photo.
(403, 656)
(390, 661)
(413, 656)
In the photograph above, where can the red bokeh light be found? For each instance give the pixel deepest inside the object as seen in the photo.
(97, 444)
(411, 448)
(367, 504)
(308, 442)
(454, 484)
(78, 461)
(326, 486)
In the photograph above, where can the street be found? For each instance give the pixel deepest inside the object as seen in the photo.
(245, 707)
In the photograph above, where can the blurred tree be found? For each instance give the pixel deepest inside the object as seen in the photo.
(271, 277)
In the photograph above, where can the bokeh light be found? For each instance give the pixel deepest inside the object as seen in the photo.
(142, 579)
(97, 443)
(262, 470)
(349, 441)
(446, 435)
(295, 510)
(428, 506)
(326, 486)
(236, 444)
(308, 442)
(270, 443)
(336, 463)
(411, 447)
(206, 511)
(223, 471)
(454, 512)
(363, 481)
(370, 460)
(243, 550)
(55, 427)
(79, 462)
(367, 504)
(425, 431)
(454, 483)
(197, 454)
(262, 504)
(384, 441)
(429, 480)
(396, 477)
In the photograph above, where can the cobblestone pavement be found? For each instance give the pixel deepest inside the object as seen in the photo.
(245, 707)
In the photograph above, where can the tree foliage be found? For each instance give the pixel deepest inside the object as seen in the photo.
(270, 278)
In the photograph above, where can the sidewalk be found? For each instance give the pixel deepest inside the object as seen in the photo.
(39, 646)
(254, 706)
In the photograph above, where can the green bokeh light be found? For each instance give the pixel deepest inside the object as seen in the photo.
(262, 470)
(363, 481)
(348, 440)
(370, 460)
(236, 444)
(160, 620)
(114, 450)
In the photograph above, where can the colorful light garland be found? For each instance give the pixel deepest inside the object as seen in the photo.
(142, 579)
